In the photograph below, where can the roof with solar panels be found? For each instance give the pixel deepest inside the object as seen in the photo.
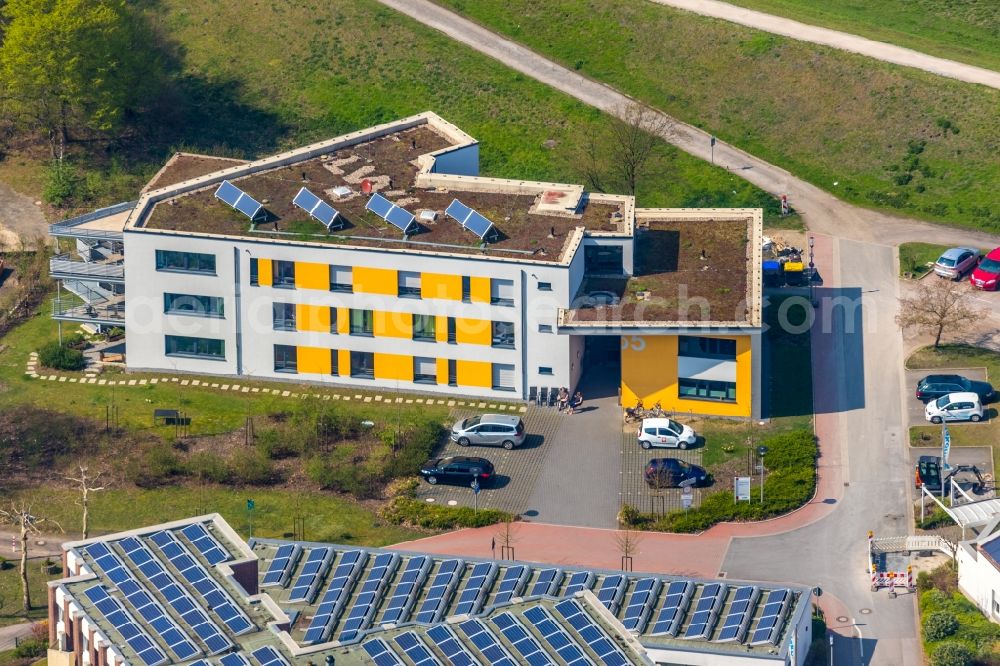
(192, 592)
(410, 185)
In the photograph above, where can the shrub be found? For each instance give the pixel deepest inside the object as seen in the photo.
(116, 332)
(252, 468)
(63, 185)
(628, 515)
(414, 513)
(209, 467)
(939, 625)
(156, 466)
(53, 355)
(273, 444)
(30, 648)
(76, 341)
(951, 653)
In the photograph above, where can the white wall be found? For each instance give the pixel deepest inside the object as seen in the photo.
(978, 579)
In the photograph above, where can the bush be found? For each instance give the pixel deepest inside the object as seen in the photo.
(939, 625)
(628, 515)
(156, 466)
(76, 341)
(31, 647)
(252, 468)
(951, 653)
(53, 355)
(63, 185)
(209, 467)
(116, 332)
(414, 513)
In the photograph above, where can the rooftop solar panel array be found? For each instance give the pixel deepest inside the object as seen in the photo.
(772, 618)
(234, 659)
(407, 589)
(280, 568)
(416, 650)
(336, 595)
(522, 640)
(513, 582)
(318, 209)
(469, 219)
(398, 217)
(640, 604)
(307, 584)
(381, 654)
(143, 602)
(734, 628)
(547, 583)
(215, 598)
(445, 581)
(611, 592)
(122, 621)
(363, 611)
(206, 544)
(593, 635)
(240, 200)
(484, 640)
(706, 612)
(578, 582)
(177, 597)
(471, 599)
(443, 636)
(678, 598)
(268, 656)
(567, 648)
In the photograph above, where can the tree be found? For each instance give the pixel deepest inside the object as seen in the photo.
(505, 535)
(19, 514)
(86, 486)
(74, 64)
(936, 306)
(628, 545)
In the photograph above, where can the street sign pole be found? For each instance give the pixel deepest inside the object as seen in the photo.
(475, 490)
(250, 508)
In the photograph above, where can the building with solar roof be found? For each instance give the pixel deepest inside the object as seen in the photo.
(382, 259)
(193, 592)
(979, 569)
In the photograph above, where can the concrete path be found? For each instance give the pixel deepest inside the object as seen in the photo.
(20, 219)
(10, 634)
(844, 41)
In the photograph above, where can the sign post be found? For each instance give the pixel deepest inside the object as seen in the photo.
(475, 489)
(687, 497)
(741, 488)
(712, 144)
(250, 508)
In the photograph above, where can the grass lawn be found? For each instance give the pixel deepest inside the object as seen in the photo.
(11, 611)
(917, 259)
(875, 134)
(962, 434)
(963, 31)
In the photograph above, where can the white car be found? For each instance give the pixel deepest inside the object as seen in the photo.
(665, 433)
(955, 407)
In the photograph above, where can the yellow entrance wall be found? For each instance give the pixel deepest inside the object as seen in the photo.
(264, 273)
(394, 366)
(375, 281)
(315, 360)
(312, 276)
(649, 372)
(437, 285)
(312, 317)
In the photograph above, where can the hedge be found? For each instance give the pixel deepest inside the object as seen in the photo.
(55, 356)
(414, 513)
(972, 631)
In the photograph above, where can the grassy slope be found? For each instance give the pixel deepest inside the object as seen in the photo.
(10, 592)
(827, 116)
(959, 29)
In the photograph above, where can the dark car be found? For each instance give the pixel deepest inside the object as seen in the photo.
(457, 469)
(928, 473)
(933, 387)
(674, 473)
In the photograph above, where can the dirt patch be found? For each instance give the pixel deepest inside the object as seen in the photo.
(20, 219)
(185, 166)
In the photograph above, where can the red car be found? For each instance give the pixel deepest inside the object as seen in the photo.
(987, 274)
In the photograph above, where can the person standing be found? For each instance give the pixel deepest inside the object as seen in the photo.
(563, 398)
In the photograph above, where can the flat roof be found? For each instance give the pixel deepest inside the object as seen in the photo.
(185, 166)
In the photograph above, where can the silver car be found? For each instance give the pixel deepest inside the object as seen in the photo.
(956, 261)
(489, 430)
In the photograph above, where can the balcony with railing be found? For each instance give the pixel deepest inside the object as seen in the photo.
(62, 267)
(110, 311)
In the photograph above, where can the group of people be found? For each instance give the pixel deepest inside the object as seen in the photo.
(567, 404)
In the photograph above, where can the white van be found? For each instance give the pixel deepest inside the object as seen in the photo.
(955, 407)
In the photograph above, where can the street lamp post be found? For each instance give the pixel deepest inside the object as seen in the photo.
(812, 270)
(761, 450)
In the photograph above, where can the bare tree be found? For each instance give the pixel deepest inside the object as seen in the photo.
(506, 537)
(628, 545)
(936, 306)
(634, 134)
(86, 486)
(19, 514)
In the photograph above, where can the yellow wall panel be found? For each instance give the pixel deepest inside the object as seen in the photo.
(344, 362)
(437, 285)
(375, 281)
(474, 373)
(312, 276)
(392, 324)
(441, 328)
(479, 290)
(442, 371)
(343, 320)
(394, 366)
(312, 318)
(264, 272)
(473, 331)
(314, 360)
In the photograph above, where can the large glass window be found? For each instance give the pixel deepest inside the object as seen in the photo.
(689, 345)
(361, 322)
(334, 362)
(363, 365)
(452, 333)
(341, 279)
(452, 372)
(284, 274)
(502, 292)
(254, 272)
(409, 284)
(424, 370)
(185, 262)
(424, 327)
(204, 306)
(466, 288)
(284, 316)
(701, 389)
(180, 345)
(503, 334)
(285, 358)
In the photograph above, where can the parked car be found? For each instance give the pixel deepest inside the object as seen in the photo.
(955, 407)
(674, 473)
(987, 274)
(955, 262)
(491, 430)
(928, 473)
(457, 469)
(933, 387)
(665, 433)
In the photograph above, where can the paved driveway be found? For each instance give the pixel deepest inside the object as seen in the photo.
(915, 408)
(636, 492)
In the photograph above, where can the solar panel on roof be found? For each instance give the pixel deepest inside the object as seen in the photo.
(593, 635)
(706, 612)
(444, 583)
(518, 636)
(737, 619)
(579, 581)
(566, 647)
(478, 225)
(205, 543)
(135, 636)
(240, 200)
(318, 209)
(406, 590)
(311, 574)
(640, 604)
(772, 618)
(445, 639)
(675, 604)
(381, 653)
(472, 597)
(400, 218)
(365, 604)
(416, 650)
(335, 598)
(234, 659)
(280, 568)
(469, 219)
(269, 656)
(512, 583)
(611, 592)
(484, 640)
(458, 211)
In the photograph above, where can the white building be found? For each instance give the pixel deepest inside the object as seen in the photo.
(979, 569)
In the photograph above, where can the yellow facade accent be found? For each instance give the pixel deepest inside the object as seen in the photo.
(442, 371)
(264, 273)
(313, 360)
(344, 362)
(473, 331)
(479, 289)
(394, 366)
(437, 285)
(312, 318)
(392, 324)
(375, 281)
(474, 373)
(343, 320)
(312, 276)
(441, 328)
(649, 373)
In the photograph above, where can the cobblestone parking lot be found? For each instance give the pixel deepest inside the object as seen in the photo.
(636, 492)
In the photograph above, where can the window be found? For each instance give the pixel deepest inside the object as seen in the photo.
(283, 316)
(544, 286)
(333, 320)
(503, 377)
(424, 370)
(544, 370)
(341, 279)
(452, 372)
(700, 389)
(452, 336)
(254, 272)
(466, 289)
(544, 328)
(185, 262)
(502, 292)
(361, 322)
(204, 306)
(334, 362)
(503, 334)
(409, 284)
(180, 345)
(688, 345)
(424, 327)
(285, 358)
(284, 274)
(363, 365)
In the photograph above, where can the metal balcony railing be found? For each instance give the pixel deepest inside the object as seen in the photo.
(75, 227)
(62, 266)
(107, 312)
